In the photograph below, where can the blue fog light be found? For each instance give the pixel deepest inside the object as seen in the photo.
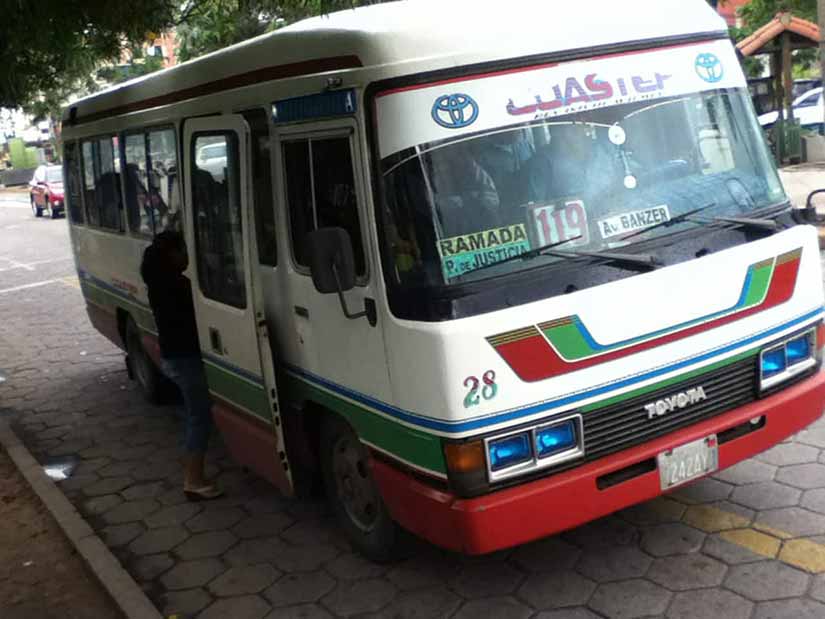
(509, 451)
(773, 362)
(555, 439)
(798, 350)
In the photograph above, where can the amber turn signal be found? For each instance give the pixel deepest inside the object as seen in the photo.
(465, 457)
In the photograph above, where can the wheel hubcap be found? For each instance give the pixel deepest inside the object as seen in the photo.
(356, 489)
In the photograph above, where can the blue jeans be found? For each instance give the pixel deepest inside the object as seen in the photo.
(187, 373)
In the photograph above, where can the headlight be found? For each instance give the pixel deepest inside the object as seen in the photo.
(783, 361)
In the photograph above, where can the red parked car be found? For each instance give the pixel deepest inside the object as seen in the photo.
(46, 191)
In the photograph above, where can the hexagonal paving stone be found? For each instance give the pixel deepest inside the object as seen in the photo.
(615, 563)
(143, 491)
(550, 553)
(254, 551)
(629, 599)
(567, 613)
(120, 534)
(805, 476)
(299, 589)
(190, 574)
(244, 580)
(100, 504)
(151, 566)
(131, 511)
(364, 596)
(310, 532)
(351, 566)
(706, 490)
(766, 495)
(731, 554)
(789, 453)
(438, 603)
(795, 521)
(766, 580)
(304, 611)
(424, 569)
(709, 603)
(486, 579)
(248, 607)
(303, 558)
(814, 500)
(790, 609)
(158, 540)
(184, 603)
(671, 539)
(108, 486)
(117, 469)
(214, 519)
(172, 515)
(747, 472)
(556, 589)
(609, 531)
(262, 525)
(814, 436)
(494, 608)
(203, 545)
(687, 572)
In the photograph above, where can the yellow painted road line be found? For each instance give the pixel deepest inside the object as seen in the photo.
(760, 539)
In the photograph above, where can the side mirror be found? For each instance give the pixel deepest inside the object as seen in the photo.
(810, 212)
(332, 264)
(331, 260)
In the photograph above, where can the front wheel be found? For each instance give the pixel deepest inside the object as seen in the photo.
(38, 212)
(143, 369)
(353, 493)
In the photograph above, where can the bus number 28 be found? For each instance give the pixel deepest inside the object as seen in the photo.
(487, 385)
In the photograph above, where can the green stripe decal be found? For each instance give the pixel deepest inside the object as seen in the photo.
(413, 446)
(140, 314)
(237, 390)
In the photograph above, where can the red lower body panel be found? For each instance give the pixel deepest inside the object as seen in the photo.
(540, 508)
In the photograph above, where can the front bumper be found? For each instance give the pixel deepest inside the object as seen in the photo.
(550, 505)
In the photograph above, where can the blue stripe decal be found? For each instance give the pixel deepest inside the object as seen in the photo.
(85, 275)
(495, 419)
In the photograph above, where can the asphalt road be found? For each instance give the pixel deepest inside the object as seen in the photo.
(747, 543)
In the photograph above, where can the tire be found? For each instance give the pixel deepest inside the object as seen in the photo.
(354, 495)
(143, 369)
(38, 212)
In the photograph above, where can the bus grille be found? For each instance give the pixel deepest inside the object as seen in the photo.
(626, 424)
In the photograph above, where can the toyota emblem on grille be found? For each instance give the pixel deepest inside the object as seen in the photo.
(677, 401)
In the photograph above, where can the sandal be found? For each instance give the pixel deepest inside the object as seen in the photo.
(204, 493)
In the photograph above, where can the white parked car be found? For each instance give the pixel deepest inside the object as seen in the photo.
(808, 109)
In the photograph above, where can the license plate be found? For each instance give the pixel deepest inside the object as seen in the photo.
(688, 462)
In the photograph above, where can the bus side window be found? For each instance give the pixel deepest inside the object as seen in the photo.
(217, 215)
(73, 184)
(89, 186)
(321, 193)
(108, 183)
(138, 210)
(258, 121)
(163, 178)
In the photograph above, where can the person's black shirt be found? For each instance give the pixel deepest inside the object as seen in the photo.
(170, 296)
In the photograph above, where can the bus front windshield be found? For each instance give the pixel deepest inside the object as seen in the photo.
(462, 209)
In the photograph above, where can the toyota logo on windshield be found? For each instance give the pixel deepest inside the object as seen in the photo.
(455, 111)
(709, 68)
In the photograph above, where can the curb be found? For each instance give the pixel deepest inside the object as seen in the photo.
(120, 586)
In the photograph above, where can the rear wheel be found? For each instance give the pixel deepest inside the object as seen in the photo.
(38, 212)
(144, 370)
(353, 493)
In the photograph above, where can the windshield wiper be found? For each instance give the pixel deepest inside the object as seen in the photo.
(529, 254)
(670, 222)
(643, 262)
(744, 222)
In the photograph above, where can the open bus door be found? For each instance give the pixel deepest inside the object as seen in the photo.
(229, 306)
